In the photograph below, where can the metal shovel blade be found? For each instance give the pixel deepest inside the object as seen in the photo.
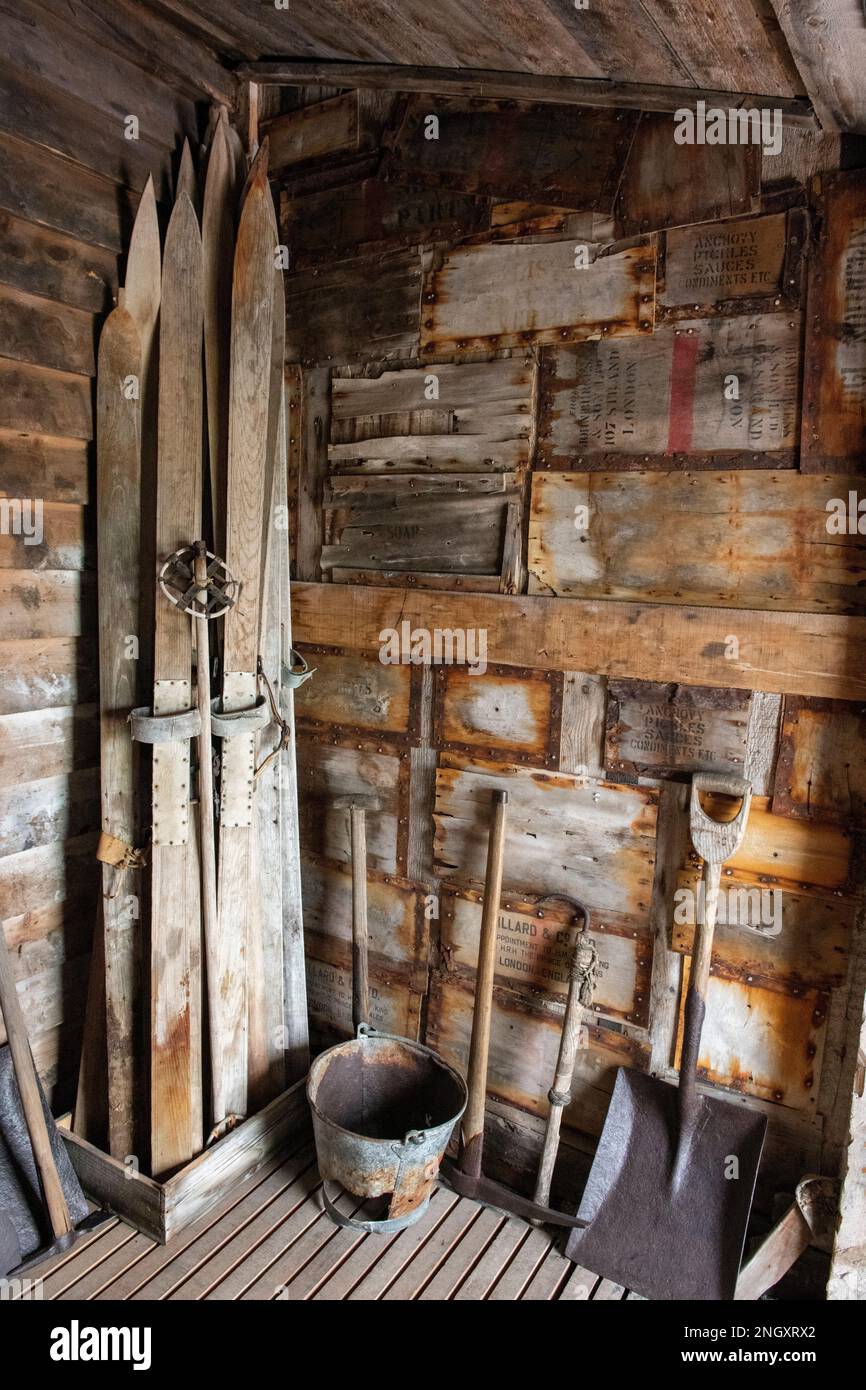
(663, 1236)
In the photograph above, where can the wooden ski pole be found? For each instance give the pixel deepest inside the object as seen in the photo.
(205, 800)
(472, 1137)
(581, 980)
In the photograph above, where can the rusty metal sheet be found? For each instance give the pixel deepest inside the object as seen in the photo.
(515, 294)
(657, 730)
(399, 926)
(779, 851)
(394, 1007)
(821, 771)
(565, 834)
(746, 265)
(352, 691)
(524, 1040)
(762, 1042)
(803, 939)
(741, 539)
(509, 711)
(670, 402)
(370, 215)
(834, 383)
(354, 310)
(669, 185)
(572, 157)
(328, 769)
(533, 951)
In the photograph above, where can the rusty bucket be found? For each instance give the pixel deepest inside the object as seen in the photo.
(383, 1112)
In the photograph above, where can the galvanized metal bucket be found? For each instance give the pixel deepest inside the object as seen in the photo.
(383, 1112)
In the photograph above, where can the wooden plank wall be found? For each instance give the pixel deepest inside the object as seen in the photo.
(646, 441)
(70, 179)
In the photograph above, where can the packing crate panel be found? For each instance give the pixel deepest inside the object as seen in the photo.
(595, 841)
(524, 1041)
(328, 770)
(370, 214)
(704, 392)
(394, 1007)
(762, 1042)
(657, 730)
(784, 852)
(780, 938)
(834, 384)
(354, 310)
(669, 185)
(508, 712)
(534, 949)
(569, 157)
(734, 266)
(397, 922)
(353, 691)
(820, 774)
(472, 417)
(498, 296)
(750, 539)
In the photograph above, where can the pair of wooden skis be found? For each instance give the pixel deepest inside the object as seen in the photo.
(221, 292)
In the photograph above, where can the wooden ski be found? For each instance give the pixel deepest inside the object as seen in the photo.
(250, 375)
(118, 478)
(175, 1101)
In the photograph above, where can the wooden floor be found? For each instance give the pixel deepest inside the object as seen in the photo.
(271, 1239)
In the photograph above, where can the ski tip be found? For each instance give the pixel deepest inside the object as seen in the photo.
(258, 176)
(186, 179)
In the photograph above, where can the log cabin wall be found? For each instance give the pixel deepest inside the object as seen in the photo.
(74, 78)
(514, 373)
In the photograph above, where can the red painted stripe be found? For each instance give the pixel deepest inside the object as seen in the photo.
(682, 408)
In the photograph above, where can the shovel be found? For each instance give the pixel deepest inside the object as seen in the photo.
(668, 1197)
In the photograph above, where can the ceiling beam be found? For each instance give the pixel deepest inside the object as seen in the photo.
(827, 39)
(517, 86)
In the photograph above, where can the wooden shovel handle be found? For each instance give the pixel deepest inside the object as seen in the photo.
(31, 1098)
(473, 1120)
(360, 932)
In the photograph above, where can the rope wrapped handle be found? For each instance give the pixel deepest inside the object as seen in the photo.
(585, 965)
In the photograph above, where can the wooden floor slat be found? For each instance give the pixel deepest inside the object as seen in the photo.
(270, 1238)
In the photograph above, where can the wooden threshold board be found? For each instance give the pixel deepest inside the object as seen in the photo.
(784, 652)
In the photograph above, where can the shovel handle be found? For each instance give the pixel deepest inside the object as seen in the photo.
(472, 1139)
(360, 935)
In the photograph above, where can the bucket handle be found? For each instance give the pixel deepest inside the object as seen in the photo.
(366, 1030)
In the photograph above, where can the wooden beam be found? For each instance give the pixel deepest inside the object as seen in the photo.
(827, 39)
(800, 653)
(516, 86)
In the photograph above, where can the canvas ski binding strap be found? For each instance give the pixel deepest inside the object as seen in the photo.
(111, 850)
(293, 676)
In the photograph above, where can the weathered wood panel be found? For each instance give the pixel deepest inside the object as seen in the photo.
(41, 466)
(534, 950)
(801, 653)
(38, 743)
(45, 603)
(58, 543)
(355, 692)
(506, 712)
(834, 384)
(398, 925)
(564, 834)
(472, 416)
(325, 771)
(668, 730)
(370, 214)
(755, 540)
(38, 877)
(524, 1040)
(670, 185)
(702, 393)
(438, 535)
(38, 186)
(785, 852)
(820, 773)
(41, 261)
(394, 1007)
(762, 1042)
(319, 131)
(498, 296)
(569, 157)
(355, 310)
(740, 266)
(39, 400)
(38, 674)
(49, 810)
(810, 951)
(825, 40)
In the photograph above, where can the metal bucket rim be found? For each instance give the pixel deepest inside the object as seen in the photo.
(406, 1042)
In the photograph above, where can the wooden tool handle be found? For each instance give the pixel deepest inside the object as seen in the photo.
(360, 934)
(31, 1098)
(473, 1120)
